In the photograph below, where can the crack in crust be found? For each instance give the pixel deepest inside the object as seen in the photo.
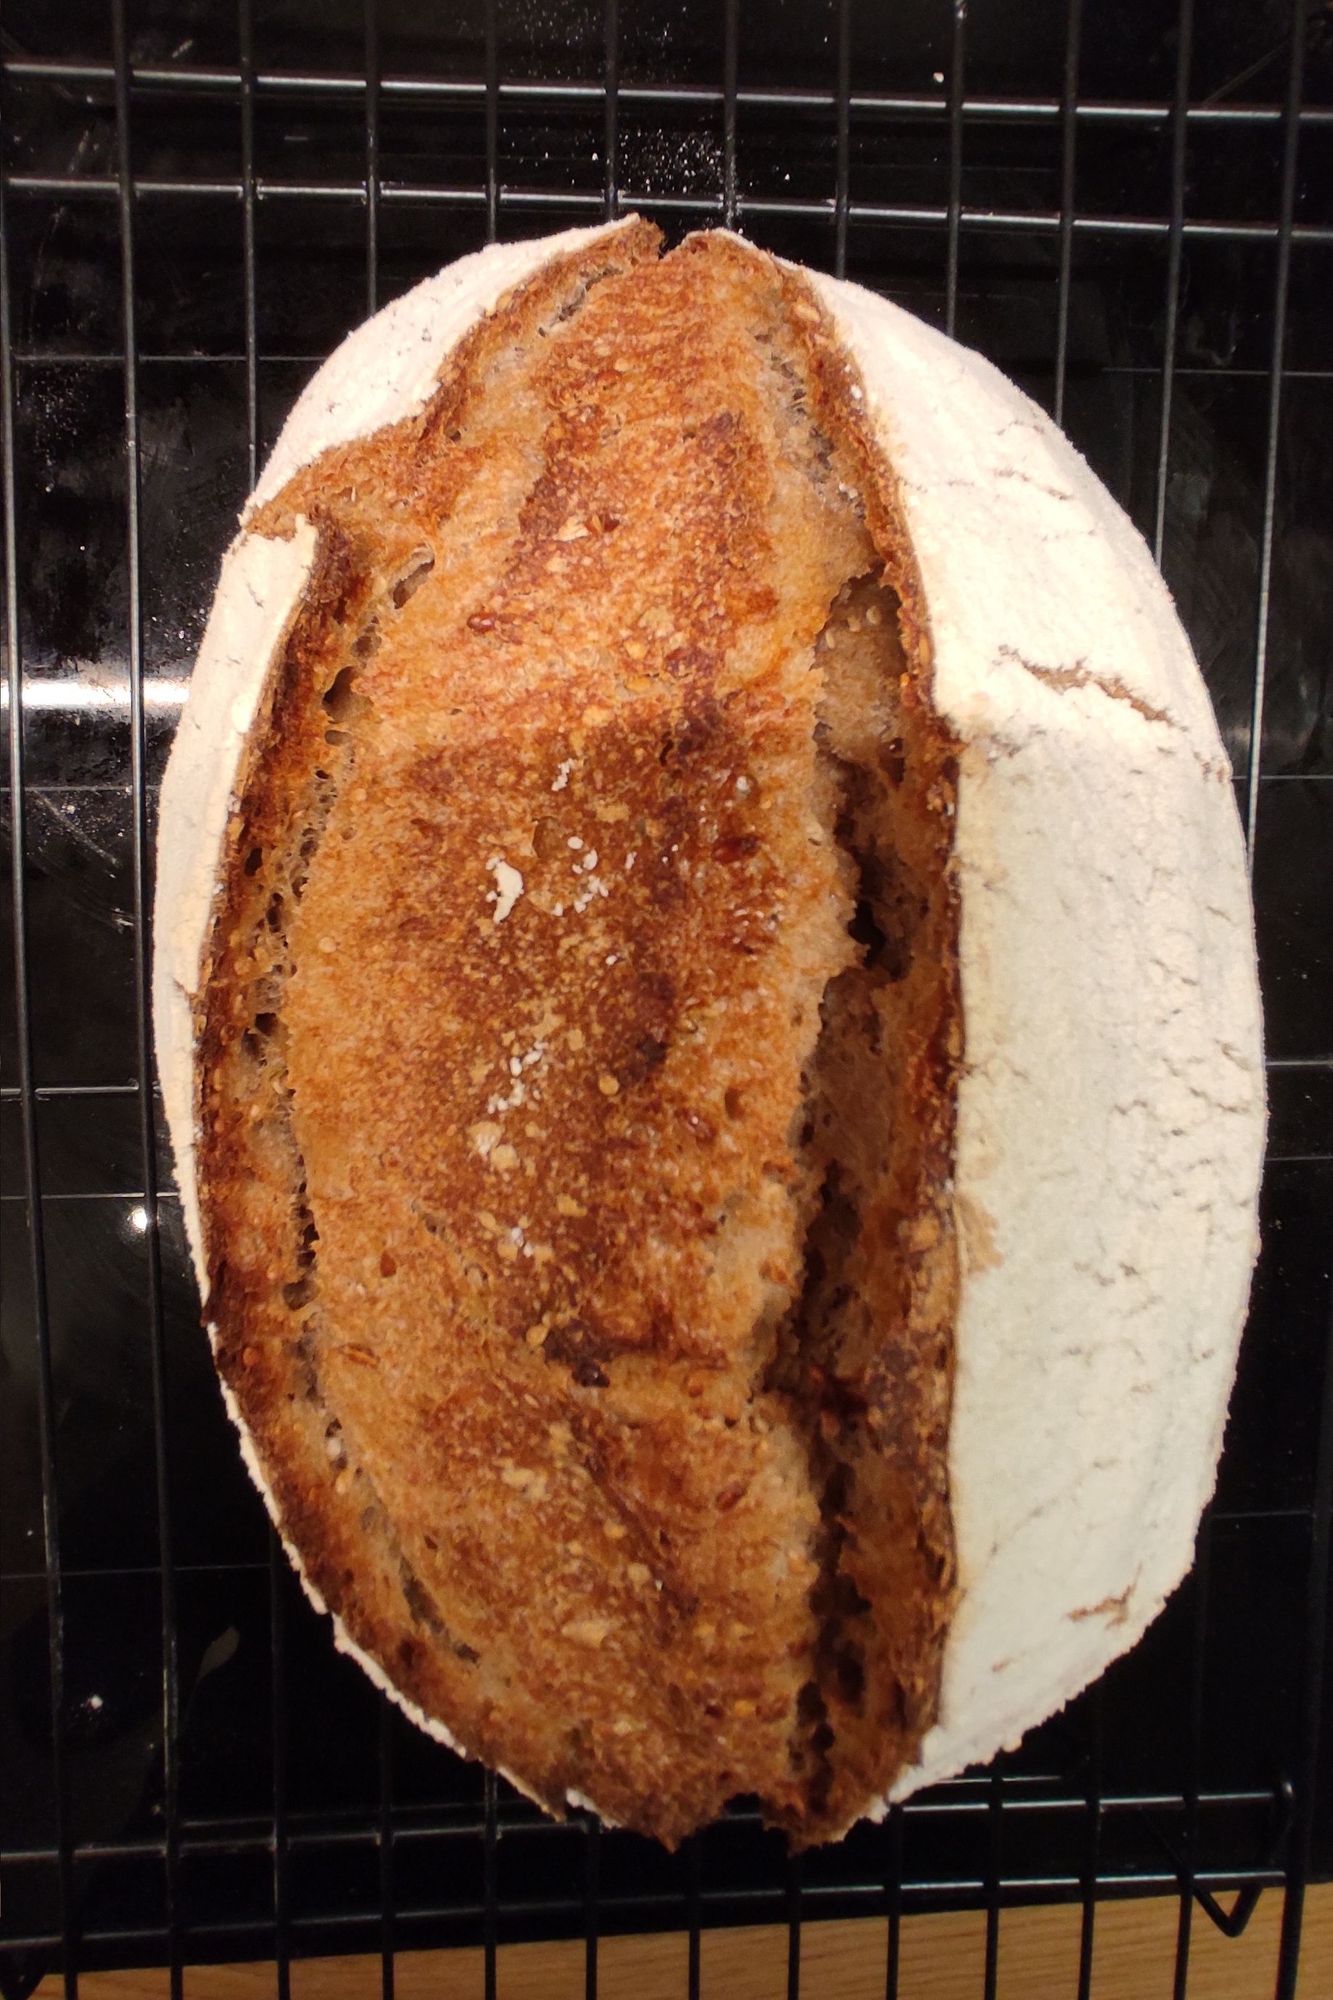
(660, 1514)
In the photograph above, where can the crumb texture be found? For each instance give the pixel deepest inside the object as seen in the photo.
(577, 1057)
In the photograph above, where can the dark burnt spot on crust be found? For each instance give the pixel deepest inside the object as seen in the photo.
(648, 1055)
(732, 847)
(701, 726)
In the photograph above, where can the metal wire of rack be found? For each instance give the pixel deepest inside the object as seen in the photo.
(188, 214)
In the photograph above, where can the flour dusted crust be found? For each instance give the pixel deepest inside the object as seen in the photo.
(1111, 1108)
(1109, 1111)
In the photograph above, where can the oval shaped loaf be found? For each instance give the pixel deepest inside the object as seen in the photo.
(706, 1006)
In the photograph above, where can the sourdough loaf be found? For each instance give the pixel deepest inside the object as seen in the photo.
(705, 1001)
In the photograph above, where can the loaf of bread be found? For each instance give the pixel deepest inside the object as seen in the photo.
(705, 999)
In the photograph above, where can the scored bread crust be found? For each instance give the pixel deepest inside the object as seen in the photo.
(615, 1438)
(1106, 1205)
(383, 372)
(1110, 1120)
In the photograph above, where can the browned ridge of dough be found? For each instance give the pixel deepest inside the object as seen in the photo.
(580, 1253)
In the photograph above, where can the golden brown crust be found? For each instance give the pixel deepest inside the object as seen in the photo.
(534, 893)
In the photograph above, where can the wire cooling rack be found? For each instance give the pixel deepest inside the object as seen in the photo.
(1131, 210)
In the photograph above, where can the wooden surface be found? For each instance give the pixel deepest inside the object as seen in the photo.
(942, 1959)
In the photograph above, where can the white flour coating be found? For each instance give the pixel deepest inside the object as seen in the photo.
(1110, 1118)
(508, 888)
(1111, 1107)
